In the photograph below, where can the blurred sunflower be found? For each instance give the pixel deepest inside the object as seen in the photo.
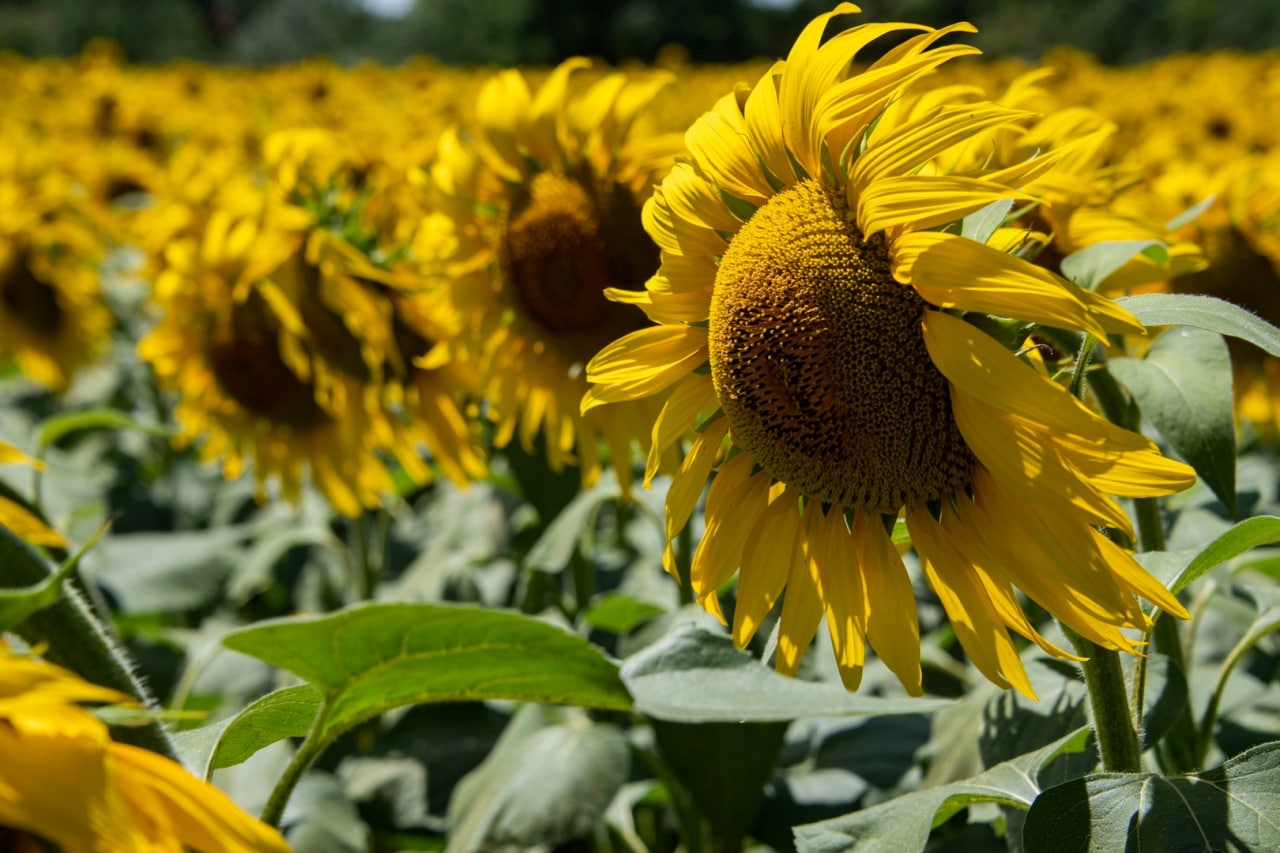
(63, 780)
(806, 301)
(351, 323)
(225, 347)
(545, 202)
(52, 316)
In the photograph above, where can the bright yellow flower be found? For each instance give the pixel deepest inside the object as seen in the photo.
(63, 779)
(17, 517)
(545, 201)
(809, 333)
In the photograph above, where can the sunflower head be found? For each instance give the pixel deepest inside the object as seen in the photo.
(816, 269)
(544, 197)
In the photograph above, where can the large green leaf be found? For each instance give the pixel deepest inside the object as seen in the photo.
(1091, 266)
(1235, 807)
(288, 712)
(1183, 387)
(1204, 312)
(902, 824)
(371, 658)
(548, 781)
(695, 676)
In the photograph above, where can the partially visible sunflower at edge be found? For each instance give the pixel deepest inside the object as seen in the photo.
(53, 319)
(809, 331)
(17, 517)
(63, 780)
(545, 198)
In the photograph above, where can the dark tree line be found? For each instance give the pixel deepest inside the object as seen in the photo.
(545, 31)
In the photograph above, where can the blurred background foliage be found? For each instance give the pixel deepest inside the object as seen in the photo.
(507, 32)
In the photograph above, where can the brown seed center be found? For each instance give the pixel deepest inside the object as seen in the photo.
(34, 302)
(564, 244)
(819, 361)
(245, 358)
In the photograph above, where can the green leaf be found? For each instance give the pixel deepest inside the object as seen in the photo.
(548, 780)
(554, 549)
(903, 823)
(695, 676)
(1166, 699)
(17, 604)
(1092, 265)
(1192, 213)
(285, 713)
(981, 224)
(1248, 534)
(1183, 386)
(1235, 807)
(724, 766)
(371, 658)
(618, 614)
(61, 425)
(1203, 312)
(167, 572)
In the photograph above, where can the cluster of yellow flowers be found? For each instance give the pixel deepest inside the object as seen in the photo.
(753, 273)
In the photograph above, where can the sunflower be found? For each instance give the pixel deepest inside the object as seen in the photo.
(225, 347)
(64, 780)
(545, 202)
(808, 333)
(53, 319)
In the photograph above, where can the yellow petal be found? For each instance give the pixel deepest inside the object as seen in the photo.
(688, 482)
(929, 137)
(734, 504)
(892, 624)
(979, 367)
(954, 272)
(25, 525)
(844, 589)
(688, 398)
(973, 618)
(925, 201)
(767, 557)
(802, 606)
(644, 362)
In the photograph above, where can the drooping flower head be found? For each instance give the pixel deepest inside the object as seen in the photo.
(814, 274)
(545, 197)
(65, 781)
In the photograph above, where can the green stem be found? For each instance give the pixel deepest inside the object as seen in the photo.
(75, 639)
(1081, 369)
(684, 563)
(1112, 722)
(306, 755)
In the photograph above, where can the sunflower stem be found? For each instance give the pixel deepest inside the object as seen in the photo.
(1081, 369)
(306, 755)
(1112, 722)
(684, 563)
(75, 639)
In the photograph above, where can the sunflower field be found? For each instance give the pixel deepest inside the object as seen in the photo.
(451, 458)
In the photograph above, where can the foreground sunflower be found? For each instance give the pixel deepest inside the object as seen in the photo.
(65, 781)
(544, 200)
(808, 333)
